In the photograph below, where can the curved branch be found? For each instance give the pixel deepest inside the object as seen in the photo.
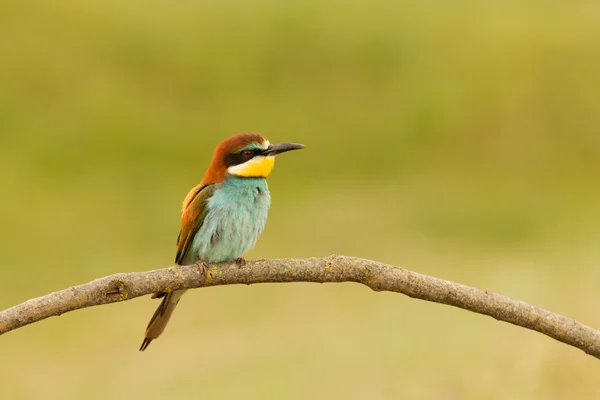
(376, 275)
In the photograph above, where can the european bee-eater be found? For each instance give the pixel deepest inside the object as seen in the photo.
(223, 216)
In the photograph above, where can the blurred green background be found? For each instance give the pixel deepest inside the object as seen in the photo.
(457, 139)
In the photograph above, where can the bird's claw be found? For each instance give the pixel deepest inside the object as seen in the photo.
(240, 261)
(202, 267)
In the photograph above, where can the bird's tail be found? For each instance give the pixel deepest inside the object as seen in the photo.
(161, 316)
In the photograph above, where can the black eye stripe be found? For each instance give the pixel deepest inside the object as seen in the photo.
(239, 157)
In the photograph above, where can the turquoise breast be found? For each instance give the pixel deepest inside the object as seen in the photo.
(236, 216)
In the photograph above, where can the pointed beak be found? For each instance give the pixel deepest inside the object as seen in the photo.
(281, 148)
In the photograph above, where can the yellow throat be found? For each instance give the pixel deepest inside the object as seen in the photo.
(257, 167)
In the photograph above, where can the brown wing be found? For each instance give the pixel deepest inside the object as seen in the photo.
(192, 218)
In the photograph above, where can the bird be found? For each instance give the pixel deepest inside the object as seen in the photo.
(224, 215)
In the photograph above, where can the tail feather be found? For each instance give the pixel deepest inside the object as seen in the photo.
(145, 344)
(161, 316)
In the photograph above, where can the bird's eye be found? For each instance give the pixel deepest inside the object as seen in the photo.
(247, 153)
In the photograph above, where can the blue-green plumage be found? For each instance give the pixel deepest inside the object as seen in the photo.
(235, 217)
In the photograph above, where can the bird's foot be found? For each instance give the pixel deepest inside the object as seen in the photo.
(240, 261)
(202, 267)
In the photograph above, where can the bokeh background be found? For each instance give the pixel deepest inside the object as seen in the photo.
(457, 139)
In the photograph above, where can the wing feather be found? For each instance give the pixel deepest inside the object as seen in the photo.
(192, 218)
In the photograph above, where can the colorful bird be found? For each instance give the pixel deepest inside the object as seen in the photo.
(224, 215)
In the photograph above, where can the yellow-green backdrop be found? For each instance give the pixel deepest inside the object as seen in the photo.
(458, 139)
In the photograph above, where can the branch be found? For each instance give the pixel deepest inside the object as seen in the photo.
(376, 275)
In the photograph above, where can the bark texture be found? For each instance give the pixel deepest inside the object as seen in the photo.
(376, 275)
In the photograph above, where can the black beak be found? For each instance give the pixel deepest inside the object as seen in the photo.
(281, 148)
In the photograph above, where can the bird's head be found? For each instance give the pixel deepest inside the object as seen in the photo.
(245, 155)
